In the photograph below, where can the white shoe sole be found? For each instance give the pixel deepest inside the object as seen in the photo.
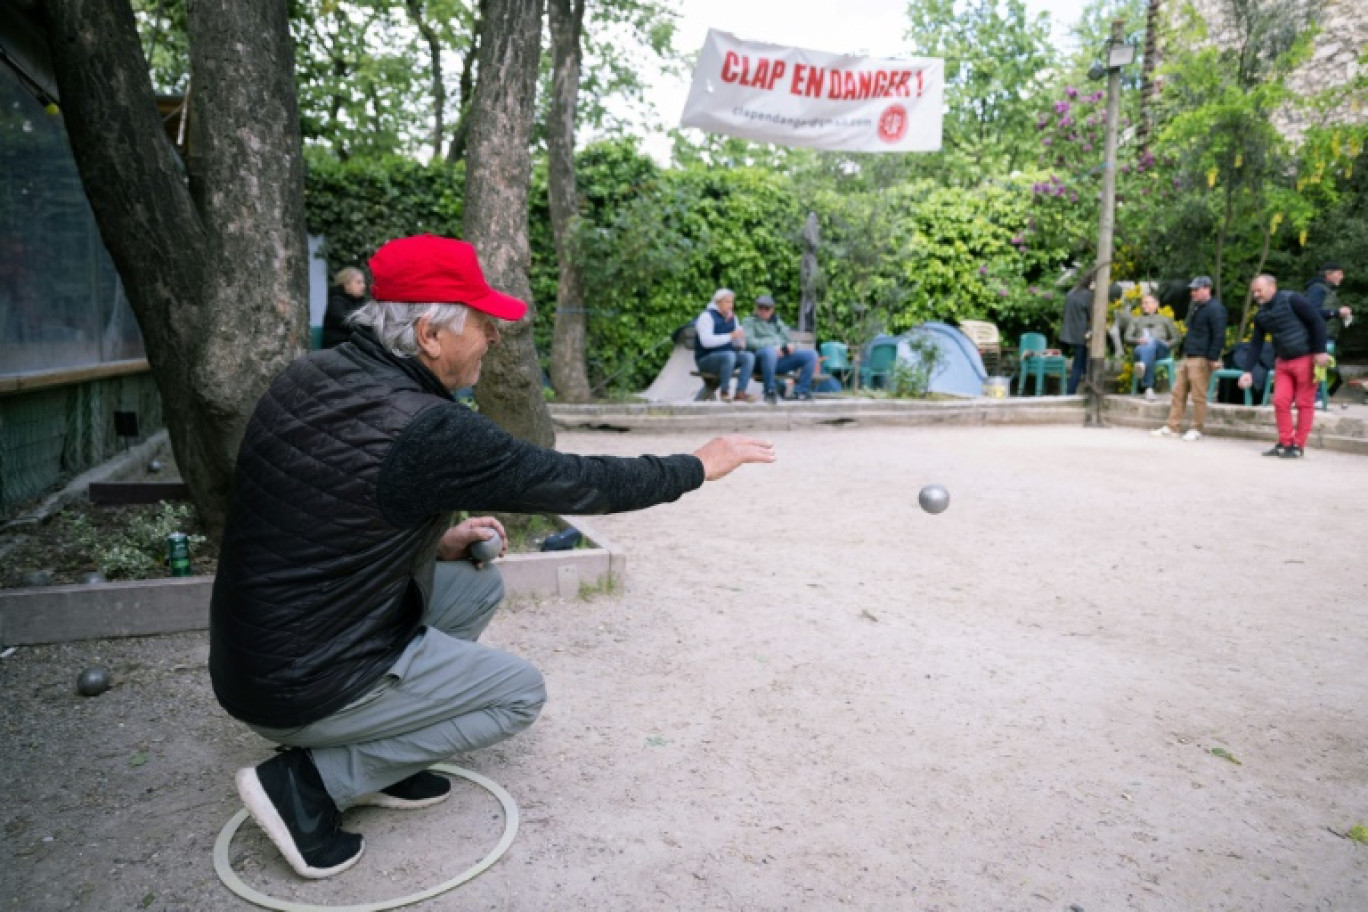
(264, 812)
(381, 800)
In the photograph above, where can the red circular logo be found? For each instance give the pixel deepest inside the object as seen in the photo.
(893, 123)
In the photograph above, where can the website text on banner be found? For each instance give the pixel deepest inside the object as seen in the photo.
(796, 97)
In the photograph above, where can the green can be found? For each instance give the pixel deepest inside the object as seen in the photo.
(178, 553)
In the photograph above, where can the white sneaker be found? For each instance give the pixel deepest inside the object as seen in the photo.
(1192, 434)
(1149, 395)
(1162, 431)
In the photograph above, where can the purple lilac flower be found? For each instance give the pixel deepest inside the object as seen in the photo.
(1087, 147)
(1066, 121)
(1061, 107)
(1018, 240)
(1073, 196)
(983, 270)
(1042, 123)
(1071, 91)
(1002, 292)
(1046, 141)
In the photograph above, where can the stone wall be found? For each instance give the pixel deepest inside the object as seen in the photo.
(1342, 39)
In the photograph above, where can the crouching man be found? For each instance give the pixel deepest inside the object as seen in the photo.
(346, 610)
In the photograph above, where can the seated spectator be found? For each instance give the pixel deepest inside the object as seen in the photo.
(768, 338)
(1121, 320)
(347, 296)
(1153, 336)
(720, 347)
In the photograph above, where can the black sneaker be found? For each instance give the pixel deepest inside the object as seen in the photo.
(422, 789)
(1292, 452)
(1278, 450)
(286, 797)
(771, 398)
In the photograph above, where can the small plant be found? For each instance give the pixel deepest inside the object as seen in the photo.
(911, 378)
(136, 550)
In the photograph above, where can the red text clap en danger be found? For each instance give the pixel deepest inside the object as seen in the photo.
(810, 81)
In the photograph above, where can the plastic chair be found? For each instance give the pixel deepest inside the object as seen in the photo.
(1165, 363)
(882, 357)
(835, 358)
(1033, 363)
(1322, 389)
(987, 340)
(1227, 373)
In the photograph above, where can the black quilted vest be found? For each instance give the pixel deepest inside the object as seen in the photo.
(317, 592)
(1278, 319)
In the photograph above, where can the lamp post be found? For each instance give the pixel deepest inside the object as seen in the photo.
(1117, 54)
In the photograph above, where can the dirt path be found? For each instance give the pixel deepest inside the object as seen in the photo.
(812, 695)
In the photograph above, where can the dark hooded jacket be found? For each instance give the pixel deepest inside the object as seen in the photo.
(349, 471)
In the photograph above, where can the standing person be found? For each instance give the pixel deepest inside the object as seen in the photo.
(1201, 352)
(1298, 332)
(346, 609)
(720, 347)
(1077, 321)
(346, 298)
(768, 338)
(1153, 336)
(1323, 294)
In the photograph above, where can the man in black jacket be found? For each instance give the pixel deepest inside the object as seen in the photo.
(346, 609)
(1201, 353)
(1298, 332)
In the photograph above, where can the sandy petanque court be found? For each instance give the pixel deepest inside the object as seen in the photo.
(1118, 673)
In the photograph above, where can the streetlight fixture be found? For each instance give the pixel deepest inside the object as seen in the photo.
(1117, 54)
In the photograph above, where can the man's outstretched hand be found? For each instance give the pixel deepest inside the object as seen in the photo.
(723, 454)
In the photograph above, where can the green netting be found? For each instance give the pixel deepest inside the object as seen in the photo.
(49, 436)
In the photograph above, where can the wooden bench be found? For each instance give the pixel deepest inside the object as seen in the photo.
(802, 341)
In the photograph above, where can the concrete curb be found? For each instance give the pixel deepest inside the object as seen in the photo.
(58, 614)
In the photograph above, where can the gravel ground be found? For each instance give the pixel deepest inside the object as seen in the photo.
(1118, 673)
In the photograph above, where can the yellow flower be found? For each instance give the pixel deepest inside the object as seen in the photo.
(1211, 177)
(1277, 220)
(1239, 159)
(1302, 240)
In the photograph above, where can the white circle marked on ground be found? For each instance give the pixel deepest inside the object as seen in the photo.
(241, 888)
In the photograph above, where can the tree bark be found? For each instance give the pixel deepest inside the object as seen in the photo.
(1147, 69)
(215, 266)
(569, 372)
(498, 175)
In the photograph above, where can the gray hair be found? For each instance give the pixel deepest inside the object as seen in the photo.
(723, 293)
(395, 325)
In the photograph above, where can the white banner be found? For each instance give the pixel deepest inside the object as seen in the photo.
(796, 97)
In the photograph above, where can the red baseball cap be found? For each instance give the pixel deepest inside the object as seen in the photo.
(427, 269)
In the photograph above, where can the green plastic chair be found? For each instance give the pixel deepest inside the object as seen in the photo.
(1322, 388)
(1227, 373)
(882, 357)
(1037, 365)
(1165, 363)
(835, 358)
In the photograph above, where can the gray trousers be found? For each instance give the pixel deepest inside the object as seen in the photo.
(446, 694)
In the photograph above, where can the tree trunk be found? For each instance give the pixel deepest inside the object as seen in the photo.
(457, 150)
(1221, 237)
(569, 373)
(415, 11)
(1147, 69)
(498, 175)
(1249, 292)
(215, 267)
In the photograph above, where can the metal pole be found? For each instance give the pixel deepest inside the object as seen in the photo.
(1097, 343)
